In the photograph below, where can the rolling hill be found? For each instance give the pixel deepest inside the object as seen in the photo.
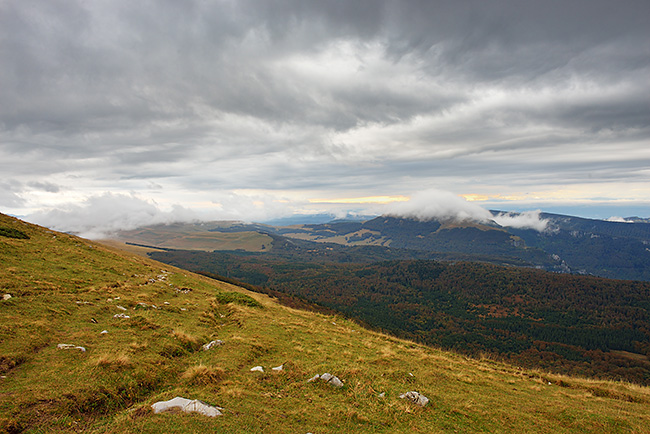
(142, 325)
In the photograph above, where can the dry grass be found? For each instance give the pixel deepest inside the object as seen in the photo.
(202, 375)
(187, 341)
(114, 361)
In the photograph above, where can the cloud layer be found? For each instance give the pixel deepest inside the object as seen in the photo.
(193, 102)
(443, 205)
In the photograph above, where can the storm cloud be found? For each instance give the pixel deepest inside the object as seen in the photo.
(186, 103)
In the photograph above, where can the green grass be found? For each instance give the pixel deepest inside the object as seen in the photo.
(66, 290)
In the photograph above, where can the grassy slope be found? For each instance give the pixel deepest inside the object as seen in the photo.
(60, 283)
(197, 237)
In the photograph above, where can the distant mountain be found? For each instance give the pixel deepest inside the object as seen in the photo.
(569, 244)
(613, 249)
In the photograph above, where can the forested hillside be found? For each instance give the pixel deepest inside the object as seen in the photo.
(571, 324)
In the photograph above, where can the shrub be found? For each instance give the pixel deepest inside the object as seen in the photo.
(236, 298)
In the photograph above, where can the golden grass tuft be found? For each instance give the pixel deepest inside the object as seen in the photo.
(202, 375)
(114, 361)
(187, 341)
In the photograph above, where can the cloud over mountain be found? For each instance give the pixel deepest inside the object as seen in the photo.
(444, 205)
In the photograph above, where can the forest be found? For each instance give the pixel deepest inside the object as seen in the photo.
(563, 323)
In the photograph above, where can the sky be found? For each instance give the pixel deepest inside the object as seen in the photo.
(120, 113)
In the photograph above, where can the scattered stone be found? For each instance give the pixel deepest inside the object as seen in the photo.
(121, 315)
(212, 344)
(187, 406)
(6, 297)
(278, 368)
(70, 347)
(167, 303)
(382, 395)
(257, 369)
(415, 398)
(93, 320)
(328, 378)
(182, 308)
(183, 290)
(104, 332)
(120, 307)
(84, 302)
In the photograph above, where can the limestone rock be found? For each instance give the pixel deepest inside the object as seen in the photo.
(70, 347)
(212, 344)
(187, 406)
(257, 369)
(415, 398)
(121, 315)
(328, 378)
(278, 368)
(6, 297)
(314, 378)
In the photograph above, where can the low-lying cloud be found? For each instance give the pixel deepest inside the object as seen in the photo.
(100, 216)
(444, 205)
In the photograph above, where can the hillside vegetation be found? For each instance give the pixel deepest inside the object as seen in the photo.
(67, 290)
(567, 324)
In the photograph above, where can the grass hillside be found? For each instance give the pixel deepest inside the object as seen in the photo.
(67, 290)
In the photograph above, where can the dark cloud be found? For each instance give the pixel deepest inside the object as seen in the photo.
(318, 97)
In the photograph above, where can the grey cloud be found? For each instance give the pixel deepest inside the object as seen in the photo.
(45, 186)
(339, 96)
(9, 194)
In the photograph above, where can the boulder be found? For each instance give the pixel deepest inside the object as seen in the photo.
(187, 406)
(415, 398)
(6, 297)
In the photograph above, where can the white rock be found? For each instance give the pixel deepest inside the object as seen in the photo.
(257, 369)
(121, 315)
(186, 405)
(104, 332)
(6, 297)
(334, 381)
(328, 378)
(120, 307)
(212, 344)
(70, 347)
(415, 398)
(382, 395)
(278, 368)
(314, 378)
